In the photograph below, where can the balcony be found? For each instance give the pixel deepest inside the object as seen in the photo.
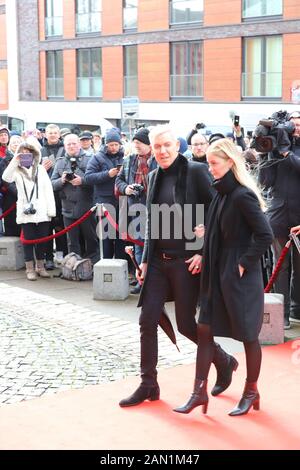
(130, 85)
(55, 87)
(186, 86)
(53, 26)
(89, 87)
(88, 22)
(262, 85)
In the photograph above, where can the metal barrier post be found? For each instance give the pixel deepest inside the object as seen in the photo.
(100, 213)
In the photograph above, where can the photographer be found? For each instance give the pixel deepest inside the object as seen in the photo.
(132, 181)
(76, 195)
(101, 173)
(279, 172)
(35, 203)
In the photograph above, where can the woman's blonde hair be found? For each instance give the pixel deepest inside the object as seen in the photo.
(225, 149)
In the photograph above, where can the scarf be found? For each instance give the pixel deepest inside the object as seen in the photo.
(142, 171)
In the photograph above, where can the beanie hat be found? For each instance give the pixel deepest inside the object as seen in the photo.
(142, 135)
(4, 129)
(65, 131)
(214, 137)
(183, 145)
(113, 135)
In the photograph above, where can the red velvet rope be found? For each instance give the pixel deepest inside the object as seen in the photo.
(125, 236)
(277, 267)
(58, 234)
(8, 211)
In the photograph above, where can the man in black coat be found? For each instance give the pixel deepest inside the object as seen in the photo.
(281, 175)
(171, 261)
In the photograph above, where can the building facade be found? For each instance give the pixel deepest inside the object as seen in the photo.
(181, 60)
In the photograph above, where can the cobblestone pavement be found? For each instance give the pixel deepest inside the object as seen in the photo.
(48, 345)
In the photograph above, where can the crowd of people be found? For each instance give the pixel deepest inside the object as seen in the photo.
(250, 202)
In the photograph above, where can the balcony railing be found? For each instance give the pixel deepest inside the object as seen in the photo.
(88, 22)
(130, 85)
(53, 26)
(89, 87)
(55, 87)
(186, 85)
(262, 84)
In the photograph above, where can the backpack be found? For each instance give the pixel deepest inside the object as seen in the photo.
(75, 268)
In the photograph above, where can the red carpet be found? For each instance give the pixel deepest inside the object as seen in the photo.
(90, 418)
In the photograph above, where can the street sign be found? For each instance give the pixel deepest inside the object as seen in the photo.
(130, 107)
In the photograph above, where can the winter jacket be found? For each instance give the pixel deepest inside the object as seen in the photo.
(35, 177)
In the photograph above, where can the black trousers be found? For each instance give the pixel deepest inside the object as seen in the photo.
(165, 277)
(31, 232)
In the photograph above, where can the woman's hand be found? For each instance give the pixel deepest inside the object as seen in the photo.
(141, 276)
(199, 230)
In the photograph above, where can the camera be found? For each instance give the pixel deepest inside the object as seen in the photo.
(274, 133)
(138, 189)
(29, 209)
(200, 125)
(236, 121)
(69, 176)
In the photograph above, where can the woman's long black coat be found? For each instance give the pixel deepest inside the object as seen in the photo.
(237, 232)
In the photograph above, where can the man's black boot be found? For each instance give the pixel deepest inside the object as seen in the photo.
(142, 393)
(225, 365)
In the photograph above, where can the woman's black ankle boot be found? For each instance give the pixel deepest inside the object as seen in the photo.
(198, 397)
(249, 398)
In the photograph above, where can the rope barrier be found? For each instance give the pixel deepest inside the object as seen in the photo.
(58, 234)
(125, 236)
(277, 267)
(8, 211)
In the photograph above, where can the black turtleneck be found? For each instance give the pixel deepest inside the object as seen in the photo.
(226, 184)
(166, 195)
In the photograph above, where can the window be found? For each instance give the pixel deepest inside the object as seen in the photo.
(262, 67)
(257, 8)
(186, 69)
(130, 71)
(88, 16)
(130, 14)
(55, 73)
(54, 18)
(89, 73)
(186, 11)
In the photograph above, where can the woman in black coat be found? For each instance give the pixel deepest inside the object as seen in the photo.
(232, 293)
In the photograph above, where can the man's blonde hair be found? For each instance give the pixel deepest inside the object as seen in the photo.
(159, 130)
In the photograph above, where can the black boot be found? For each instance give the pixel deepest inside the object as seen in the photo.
(249, 398)
(198, 397)
(141, 394)
(225, 365)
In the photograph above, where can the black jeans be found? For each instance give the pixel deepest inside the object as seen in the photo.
(31, 232)
(163, 278)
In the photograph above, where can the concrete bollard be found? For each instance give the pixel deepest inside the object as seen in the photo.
(11, 254)
(272, 331)
(110, 280)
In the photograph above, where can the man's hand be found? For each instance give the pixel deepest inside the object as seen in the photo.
(113, 172)
(296, 230)
(141, 277)
(129, 190)
(47, 164)
(76, 181)
(195, 263)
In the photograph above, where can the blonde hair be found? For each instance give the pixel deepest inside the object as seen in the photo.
(225, 149)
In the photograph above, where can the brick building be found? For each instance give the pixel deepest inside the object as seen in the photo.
(185, 60)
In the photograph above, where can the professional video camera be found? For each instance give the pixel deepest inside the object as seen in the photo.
(138, 189)
(273, 134)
